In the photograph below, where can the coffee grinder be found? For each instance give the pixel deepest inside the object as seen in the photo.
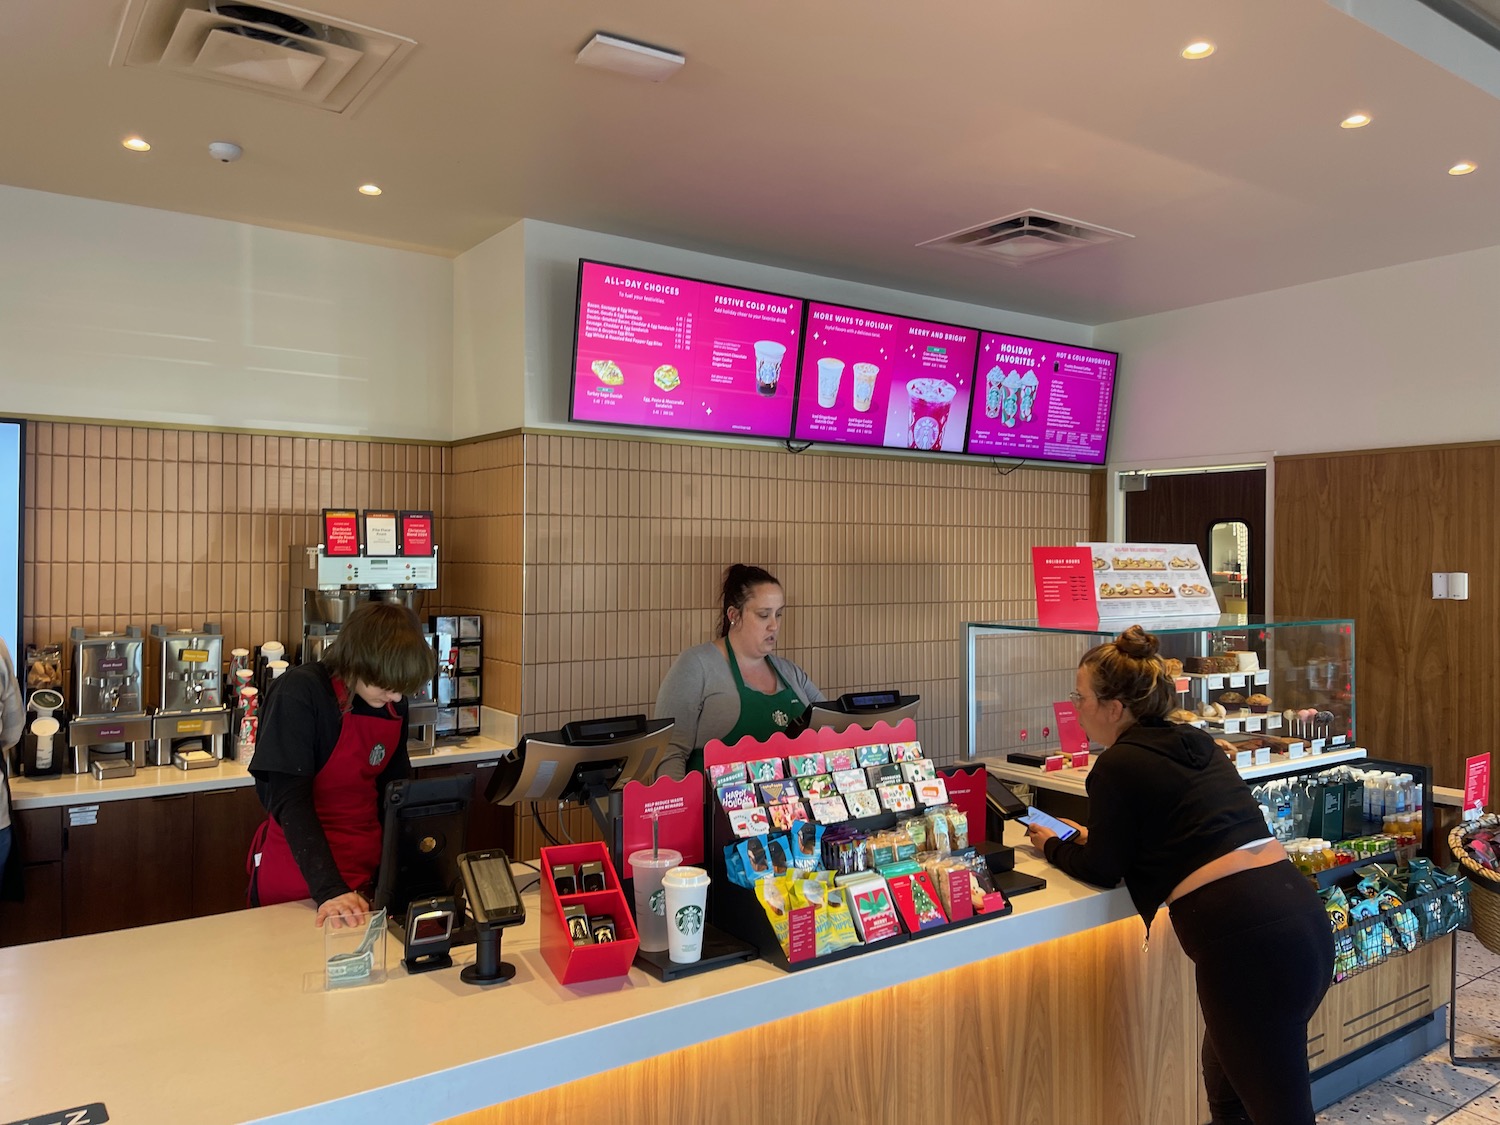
(192, 719)
(325, 590)
(110, 730)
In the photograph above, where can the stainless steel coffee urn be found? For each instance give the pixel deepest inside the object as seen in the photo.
(192, 717)
(110, 730)
(325, 590)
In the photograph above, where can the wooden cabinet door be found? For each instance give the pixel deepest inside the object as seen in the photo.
(40, 916)
(224, 822)
(127, 863)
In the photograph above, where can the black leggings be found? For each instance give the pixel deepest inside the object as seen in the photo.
(1263, 951)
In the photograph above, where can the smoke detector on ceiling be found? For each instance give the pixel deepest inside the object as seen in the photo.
(1025, 237)
(273, 49)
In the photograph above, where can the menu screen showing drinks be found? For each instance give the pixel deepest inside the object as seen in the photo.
(1041, 401)
(673, 353)
(870, 378)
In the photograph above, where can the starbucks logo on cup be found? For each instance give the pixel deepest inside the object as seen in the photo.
(658, 902)
(689, 920)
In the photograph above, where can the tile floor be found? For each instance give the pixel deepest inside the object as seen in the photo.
(1432, 1089)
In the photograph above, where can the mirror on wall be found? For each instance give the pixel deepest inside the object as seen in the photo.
(1229, 565)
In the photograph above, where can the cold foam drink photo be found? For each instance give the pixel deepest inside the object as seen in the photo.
(930, 402)
(768, 357)
(1010, 399)
(864, 385)
(830, 374)
(1029, 384)
(992, 381)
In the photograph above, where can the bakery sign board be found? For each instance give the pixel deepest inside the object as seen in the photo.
(1476, 785)
(1138, 580)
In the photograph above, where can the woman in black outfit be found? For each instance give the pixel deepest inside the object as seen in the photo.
(1170, 815)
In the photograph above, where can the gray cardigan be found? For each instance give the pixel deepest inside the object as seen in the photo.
(700, 694)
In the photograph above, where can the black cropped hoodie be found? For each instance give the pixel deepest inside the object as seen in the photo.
(1163, 801)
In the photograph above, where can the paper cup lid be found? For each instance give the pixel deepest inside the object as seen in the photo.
(686, 877)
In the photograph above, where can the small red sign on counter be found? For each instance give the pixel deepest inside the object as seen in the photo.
(416, 533)
(967, 792)
(1476, 785)
(340, 532)
(1064, 581)
(802, 934)
(1069, 729)
(677, 809)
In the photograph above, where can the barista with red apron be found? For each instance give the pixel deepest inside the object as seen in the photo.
(332, 736)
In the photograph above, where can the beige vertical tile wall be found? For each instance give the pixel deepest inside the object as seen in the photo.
(484, 571)
(881, 559)
(128, 525)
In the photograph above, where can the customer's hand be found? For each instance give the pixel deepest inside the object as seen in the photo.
(1037, 836)
(344, 910)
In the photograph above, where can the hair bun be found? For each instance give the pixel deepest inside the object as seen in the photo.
(1137, 643)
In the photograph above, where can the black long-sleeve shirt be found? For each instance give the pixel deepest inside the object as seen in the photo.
(299, 728)
(1163, 801)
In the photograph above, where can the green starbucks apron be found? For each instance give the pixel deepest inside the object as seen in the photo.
(761, 715)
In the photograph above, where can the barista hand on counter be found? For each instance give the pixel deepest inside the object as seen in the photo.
(1173, 818)
(731, 687)
(332, 736)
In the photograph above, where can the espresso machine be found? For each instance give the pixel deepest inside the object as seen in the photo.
(325, 590)
(110, 731)
(192, 717)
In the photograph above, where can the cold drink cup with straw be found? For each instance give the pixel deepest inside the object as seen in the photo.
(830, 374)
(768, 357)
(647, 867)
(930, 402)
(686, 901)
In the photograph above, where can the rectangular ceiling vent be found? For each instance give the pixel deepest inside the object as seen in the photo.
(1026, 236)
(285, 52)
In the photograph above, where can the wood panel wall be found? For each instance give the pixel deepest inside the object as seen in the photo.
(1358, 535)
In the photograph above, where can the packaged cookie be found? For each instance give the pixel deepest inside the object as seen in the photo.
(939, 833)
(916, 828)
(958, 827)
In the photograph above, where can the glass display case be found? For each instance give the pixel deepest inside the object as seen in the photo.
(1241, 676)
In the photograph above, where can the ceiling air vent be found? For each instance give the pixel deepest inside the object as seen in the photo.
(1027, 236)
(286, 52)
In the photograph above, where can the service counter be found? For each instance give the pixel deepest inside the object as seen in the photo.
(1053, 1014)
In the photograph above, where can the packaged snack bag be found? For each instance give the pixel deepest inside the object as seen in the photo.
(1400, 918)
(772, 894)
(1372, 939)
(916, 828)
(834, 927)
(939, 833)
(958, 827)
(755, 859)
(1344, 959)
(779, 851)
(807, 845)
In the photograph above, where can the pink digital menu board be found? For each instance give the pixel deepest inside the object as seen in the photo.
(673, 353)
(1041, 401)
(870, 378)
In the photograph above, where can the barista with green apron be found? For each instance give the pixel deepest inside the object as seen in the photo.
(730, 688)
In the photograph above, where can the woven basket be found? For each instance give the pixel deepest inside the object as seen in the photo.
(1484, 902)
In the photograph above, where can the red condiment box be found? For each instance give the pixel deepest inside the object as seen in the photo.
(574, 964)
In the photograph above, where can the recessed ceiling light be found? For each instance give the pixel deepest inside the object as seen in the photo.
(136, 144)
(1462, 168)
(635, 60)
(1355, 121)
(368, 189)
(1199, 50)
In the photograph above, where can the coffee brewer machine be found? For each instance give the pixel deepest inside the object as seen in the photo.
(192, 714)
(326, 590)
(110, 730)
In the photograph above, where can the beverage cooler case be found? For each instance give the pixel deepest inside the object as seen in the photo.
(1282, 692)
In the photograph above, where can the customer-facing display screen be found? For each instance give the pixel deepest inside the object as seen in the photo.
(673, 353)
(870, 378)
(1042, 401)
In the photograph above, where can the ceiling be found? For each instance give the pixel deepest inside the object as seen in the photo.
(824, 135)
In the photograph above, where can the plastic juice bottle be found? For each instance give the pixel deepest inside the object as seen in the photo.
(1330, 859)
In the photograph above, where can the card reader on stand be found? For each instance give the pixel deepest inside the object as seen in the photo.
(494, 904)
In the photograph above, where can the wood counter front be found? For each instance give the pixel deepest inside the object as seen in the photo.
(1054, 1014)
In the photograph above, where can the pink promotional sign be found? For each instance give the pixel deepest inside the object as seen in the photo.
(870, 378)
(673, 353)
(1476, 785)
(1041, 401)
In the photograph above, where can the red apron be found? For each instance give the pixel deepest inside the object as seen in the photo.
(345, 799)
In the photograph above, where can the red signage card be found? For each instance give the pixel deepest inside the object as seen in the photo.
(802, 934)
(340, 532)
(1476, 784)
(967, 793)
(677, 809)
(416, 533)
(960, 901)
(1064, 582)
(1069, 729)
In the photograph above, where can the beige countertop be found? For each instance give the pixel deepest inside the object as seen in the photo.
(161, 781)
(224, 1019)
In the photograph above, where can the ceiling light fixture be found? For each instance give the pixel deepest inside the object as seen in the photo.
(1355, 121)
(1462, 168)
(369, 189)
(1199, 50)
(635, 60)
(136, 144)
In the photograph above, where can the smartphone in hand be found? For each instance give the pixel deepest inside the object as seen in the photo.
(1035, 815)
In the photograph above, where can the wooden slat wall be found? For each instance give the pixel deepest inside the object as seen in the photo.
(1359, 535)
